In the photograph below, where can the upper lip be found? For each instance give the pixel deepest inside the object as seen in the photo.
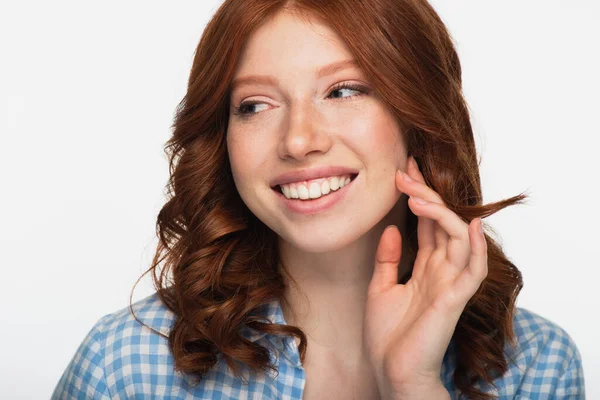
(311, 173)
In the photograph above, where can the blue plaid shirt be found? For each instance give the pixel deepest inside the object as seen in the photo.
(121, 359)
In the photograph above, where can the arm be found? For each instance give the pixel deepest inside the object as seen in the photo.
(571, 384)
(547, 362)
(84, 376)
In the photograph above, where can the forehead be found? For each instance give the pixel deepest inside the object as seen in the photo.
(291, 42)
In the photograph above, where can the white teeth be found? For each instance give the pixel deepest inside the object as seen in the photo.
(315, 189)
(335, 183)
(314, 192)
(302, 192)
(325, 187)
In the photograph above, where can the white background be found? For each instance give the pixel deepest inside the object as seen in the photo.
(87, 96)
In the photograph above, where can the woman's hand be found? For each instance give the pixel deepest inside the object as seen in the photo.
(408, 327)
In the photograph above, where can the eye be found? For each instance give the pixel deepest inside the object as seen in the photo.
(243, 112)
(349, 86)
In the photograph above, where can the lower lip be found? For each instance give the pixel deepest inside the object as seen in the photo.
(315, 206)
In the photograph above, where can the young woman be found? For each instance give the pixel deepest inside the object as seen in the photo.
(323, 235)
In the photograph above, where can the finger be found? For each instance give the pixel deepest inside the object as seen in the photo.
(416, 185)
(425, 226)
(470, 279)
(441, 238)
(387, 258)
(452, 224)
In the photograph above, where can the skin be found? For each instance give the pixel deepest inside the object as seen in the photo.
(367, 335)
(299, 124)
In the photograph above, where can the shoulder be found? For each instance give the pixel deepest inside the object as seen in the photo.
(84, 376)
(544, 363)
(122, 323)
(117, 350)
(538, 335)
(122, 358)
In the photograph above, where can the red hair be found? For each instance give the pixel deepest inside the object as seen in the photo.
(220, 260)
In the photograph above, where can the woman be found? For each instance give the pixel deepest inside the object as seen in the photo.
(308, 128)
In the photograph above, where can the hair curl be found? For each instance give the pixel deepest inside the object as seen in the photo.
(223, 259)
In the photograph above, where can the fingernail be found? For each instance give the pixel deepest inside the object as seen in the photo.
(407, 178)
(419, 200)
(481, 227)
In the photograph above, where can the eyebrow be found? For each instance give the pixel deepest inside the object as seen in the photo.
(272, 81)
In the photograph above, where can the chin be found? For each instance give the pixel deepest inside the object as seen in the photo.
(320, 246)
(321, 240)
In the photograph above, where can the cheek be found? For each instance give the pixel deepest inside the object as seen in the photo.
(388, 140)
(246, 158)
(376, 133)
(235, 151)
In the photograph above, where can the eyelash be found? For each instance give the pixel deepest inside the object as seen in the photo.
(345, 85)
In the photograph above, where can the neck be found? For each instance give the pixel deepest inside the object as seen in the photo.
(328, 292)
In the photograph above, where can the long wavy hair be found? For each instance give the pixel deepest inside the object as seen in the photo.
(219, 262)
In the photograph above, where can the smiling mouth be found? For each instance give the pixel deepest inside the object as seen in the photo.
(304, 191)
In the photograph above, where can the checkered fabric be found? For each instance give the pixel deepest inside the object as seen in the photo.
(121, 359)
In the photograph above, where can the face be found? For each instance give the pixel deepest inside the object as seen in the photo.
(297, 122)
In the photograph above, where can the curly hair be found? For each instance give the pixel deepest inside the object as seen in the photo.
(219, 262)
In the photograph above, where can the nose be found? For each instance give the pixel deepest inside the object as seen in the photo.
(303, 135)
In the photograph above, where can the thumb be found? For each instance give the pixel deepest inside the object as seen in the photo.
(387, 258)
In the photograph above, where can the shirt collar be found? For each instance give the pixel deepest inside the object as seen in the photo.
(285, 345)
